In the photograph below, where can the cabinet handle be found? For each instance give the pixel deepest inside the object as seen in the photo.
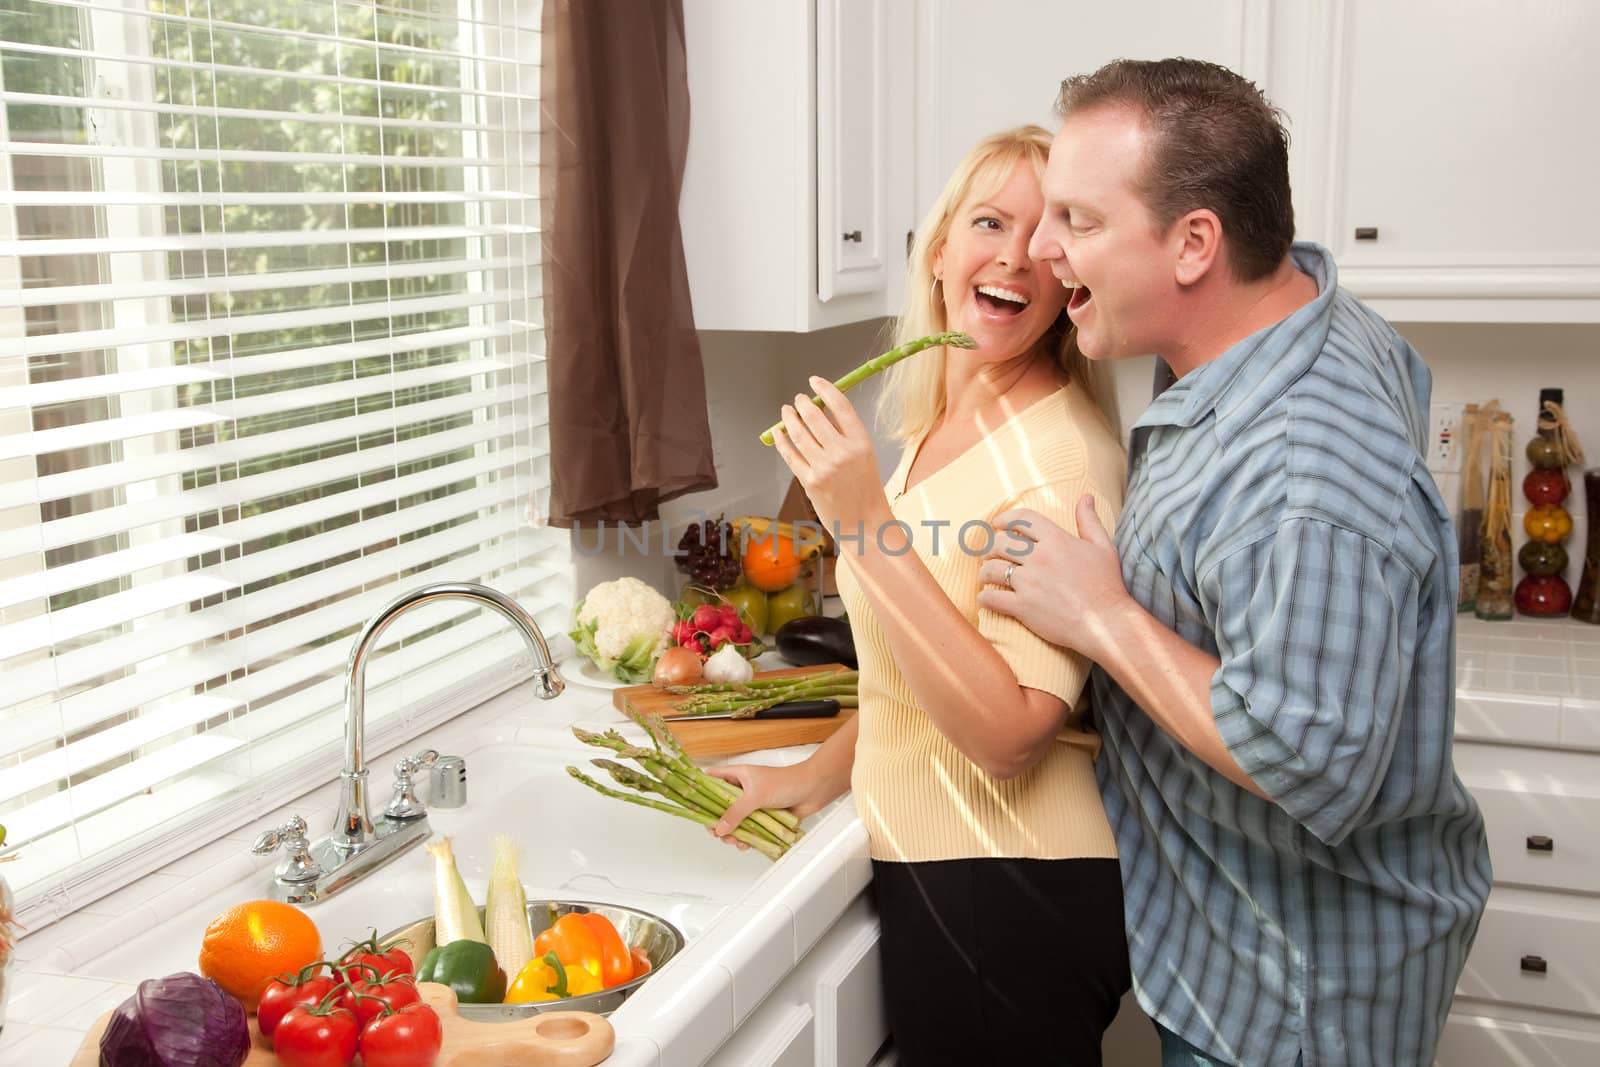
(853, 235)
(1366, 233)
(1541, 843)
(1534, 965)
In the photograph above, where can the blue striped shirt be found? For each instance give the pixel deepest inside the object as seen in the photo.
(1280, 517)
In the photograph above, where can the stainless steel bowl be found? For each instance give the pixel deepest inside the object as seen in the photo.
(660, 940)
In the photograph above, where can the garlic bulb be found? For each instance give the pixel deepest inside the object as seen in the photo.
(727, 665)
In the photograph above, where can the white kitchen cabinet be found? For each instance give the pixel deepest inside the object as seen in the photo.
(1446, 153)
(1529, 995)
(1460, 134)
(797, 192)
(828, 1011)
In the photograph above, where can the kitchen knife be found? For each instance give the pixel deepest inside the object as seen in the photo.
(795, 709)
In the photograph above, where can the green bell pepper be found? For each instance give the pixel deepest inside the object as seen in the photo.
(468, 968)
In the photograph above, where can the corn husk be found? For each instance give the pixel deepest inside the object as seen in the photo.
(505, 915)
(455, 917)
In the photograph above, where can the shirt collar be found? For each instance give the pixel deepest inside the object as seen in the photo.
(1241, 382)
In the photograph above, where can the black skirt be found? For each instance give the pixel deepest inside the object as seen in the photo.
(1001, 961)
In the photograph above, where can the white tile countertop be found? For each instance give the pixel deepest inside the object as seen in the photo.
(746, 920)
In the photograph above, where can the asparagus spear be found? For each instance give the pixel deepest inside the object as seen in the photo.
(880, 362)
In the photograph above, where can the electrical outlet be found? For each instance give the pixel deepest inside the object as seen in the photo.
(1444, 438)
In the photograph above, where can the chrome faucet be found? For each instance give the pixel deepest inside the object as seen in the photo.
(359, 843)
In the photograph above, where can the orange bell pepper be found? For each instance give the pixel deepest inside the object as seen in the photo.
(616, 962)
(574, 943)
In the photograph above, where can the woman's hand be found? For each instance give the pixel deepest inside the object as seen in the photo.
(830, 452)
(794, 787)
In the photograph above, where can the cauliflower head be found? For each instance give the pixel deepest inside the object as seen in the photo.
(623, 625)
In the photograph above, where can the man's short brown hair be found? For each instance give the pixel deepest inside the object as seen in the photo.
(1215, 142)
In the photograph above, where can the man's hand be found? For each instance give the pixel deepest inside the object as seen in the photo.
(1067, 589)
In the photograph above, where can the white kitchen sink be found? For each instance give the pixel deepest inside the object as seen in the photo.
(574, 844)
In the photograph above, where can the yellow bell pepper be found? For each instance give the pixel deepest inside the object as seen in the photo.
(542, 979)
(581, 980)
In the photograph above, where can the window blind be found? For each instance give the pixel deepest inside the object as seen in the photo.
(272, 355)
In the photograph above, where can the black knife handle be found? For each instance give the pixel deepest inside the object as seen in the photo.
(800, 709)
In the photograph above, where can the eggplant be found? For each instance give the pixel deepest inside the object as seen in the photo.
(813, 639)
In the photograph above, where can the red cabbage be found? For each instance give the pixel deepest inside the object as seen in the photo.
(182, 1020)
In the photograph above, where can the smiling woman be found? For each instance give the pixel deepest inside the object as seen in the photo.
(280, 346)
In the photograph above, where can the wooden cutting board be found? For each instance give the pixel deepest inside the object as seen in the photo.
(724, 737)
(549, 1039)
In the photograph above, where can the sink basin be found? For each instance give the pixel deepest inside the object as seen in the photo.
(574, 845)
(659, 939)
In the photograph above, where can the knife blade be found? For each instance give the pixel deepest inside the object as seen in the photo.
(795, 709)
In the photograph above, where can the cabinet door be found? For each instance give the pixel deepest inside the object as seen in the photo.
(852, 118)
(1542, 839)
(852, 1024)
(1458, 155)
(1481, 1041)
(780, 1034)
(1538, 950)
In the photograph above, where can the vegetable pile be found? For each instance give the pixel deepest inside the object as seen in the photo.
(686, 790)
(498, 960)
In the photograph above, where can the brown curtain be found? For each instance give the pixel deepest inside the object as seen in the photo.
(628, 424)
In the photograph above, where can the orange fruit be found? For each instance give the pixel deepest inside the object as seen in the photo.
(771, 563)
(246, 946)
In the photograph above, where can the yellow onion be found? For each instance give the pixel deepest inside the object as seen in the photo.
(678, 666)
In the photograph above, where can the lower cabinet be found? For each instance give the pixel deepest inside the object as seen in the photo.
(1530, 994)
(828, 1012)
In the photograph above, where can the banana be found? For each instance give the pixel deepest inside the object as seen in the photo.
(808, 540)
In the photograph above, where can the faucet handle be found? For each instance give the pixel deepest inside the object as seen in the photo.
(297, 865)
(405, 804)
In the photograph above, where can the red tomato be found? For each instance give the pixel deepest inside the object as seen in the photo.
(280, 996)
(641, 961)
(409, 1037)
(393, 961)
(616, 963)
(374, 996)
(305, 1038)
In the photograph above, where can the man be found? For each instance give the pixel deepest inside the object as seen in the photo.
(1274, 623)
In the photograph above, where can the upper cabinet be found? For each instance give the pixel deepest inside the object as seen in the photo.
(1447, 155)
(798, 191)
(1459, 137)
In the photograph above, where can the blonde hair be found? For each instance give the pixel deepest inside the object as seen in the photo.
(913, 394)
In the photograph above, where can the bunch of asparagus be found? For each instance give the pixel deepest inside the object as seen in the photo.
(689, 792)
(744, 699)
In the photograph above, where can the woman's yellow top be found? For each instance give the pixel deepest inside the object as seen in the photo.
(919, 797)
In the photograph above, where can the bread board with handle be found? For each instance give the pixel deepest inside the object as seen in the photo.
(548, 1039)
(726, 737)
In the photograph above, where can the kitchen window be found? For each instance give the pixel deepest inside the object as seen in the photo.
(273, 355)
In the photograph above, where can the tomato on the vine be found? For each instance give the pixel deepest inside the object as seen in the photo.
(375, 995)
(407, 1037)
(317, 1037)
(386, 961)
(287, 992)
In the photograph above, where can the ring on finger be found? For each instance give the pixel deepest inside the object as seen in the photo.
(1006, 580)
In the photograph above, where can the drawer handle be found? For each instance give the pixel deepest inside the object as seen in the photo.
(853, 235)
(1366, 233)
(1534, 965)
(1541, 843)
